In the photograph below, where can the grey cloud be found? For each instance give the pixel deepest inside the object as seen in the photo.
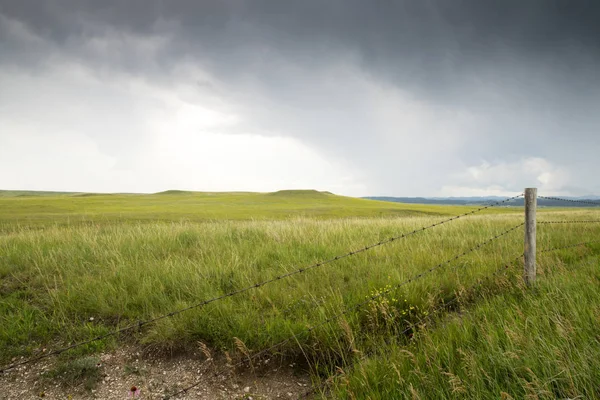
(498, 81)
(427, 40)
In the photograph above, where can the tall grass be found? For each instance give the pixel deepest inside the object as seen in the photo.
(78, 281)
(518, 343)
(69, 281)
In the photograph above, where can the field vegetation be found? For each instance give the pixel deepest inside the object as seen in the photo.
(48, 208)
(73, 266)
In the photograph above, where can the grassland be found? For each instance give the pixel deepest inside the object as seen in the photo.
(514, 343)
(27, 210)
(74, 266)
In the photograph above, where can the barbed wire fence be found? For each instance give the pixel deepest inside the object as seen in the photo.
(444, 305)
(436, 311)
(587, 221)
(203, 303)
(356, 307)
(359, 305)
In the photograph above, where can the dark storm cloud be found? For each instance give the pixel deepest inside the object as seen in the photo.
(439, 50)
(527, 71)
(427, 40)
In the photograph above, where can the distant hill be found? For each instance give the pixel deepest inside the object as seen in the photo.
(175, 205)
(300, 193)
(423, 200)
(484, 200)
(42, 193)
(175, 192)
(304, 195)
(35, 193)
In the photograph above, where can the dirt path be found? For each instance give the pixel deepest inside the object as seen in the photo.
(112, 376)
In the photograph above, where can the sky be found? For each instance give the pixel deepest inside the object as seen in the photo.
(397, 98)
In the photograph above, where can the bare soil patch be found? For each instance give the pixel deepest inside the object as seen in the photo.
(113, 375)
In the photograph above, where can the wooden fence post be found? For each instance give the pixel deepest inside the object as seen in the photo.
(530, 231)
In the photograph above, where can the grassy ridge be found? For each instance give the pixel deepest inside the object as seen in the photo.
(139, 256)
(194, 206)
(32, 193)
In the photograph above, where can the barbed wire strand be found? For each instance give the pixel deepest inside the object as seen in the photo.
(568, 246)
(569, 200)
(570, 222)
(356, 306)
(442, 306)
(203, 303)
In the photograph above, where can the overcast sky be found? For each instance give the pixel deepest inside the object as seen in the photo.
(406, 98)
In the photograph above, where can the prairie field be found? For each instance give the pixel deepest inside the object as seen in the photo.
(75, 266)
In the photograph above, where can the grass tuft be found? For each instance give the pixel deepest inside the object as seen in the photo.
(86, 371)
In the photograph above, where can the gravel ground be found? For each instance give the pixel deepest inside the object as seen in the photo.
(116, 373)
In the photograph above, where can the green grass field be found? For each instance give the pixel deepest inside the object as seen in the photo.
(73, 266)
(50, 208)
